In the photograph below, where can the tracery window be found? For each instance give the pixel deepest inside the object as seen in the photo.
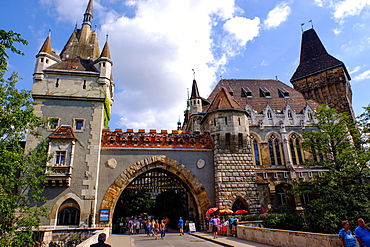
(275, 151)
(255, 151)
(69, 213)
(281, 197)
(295, 150)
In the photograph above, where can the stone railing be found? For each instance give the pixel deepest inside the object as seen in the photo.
(286, 238)
(94, 238)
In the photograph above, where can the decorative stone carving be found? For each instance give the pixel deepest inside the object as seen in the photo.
(201, 163)
(112, 163)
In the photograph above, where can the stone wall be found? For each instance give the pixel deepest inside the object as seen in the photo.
(285, 238)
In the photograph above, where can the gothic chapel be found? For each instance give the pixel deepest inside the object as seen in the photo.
(235, 149)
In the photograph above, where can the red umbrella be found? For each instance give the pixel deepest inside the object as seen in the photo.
(240, 211)
(211, 210)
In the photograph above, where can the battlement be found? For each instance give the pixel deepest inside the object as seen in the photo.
(164, 139)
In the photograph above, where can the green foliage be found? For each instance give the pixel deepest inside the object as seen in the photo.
(21, 173)
(288, 220)
(343, 193)
(7, 40)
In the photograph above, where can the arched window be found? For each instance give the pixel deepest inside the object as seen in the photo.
(281, 197)
(269, 114)
(255, 151)
(69, 213)
(295, 150)
(290, 114)
(239, 205)
(275, 151)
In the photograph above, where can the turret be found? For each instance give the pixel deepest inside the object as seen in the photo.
(195, 99)
(45, 58)
(104, 65)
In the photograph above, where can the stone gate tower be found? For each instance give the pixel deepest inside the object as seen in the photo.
(74, 90)
(227, 123)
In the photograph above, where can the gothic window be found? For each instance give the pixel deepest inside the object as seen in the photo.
(281, 197)
(295, 150)
(60, 158)
(239, 205)
(255, 151)
(290, 114)
(275, 151)
(269, 114)
(69, 213)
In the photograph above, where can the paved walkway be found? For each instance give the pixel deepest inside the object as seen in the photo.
(120, 240)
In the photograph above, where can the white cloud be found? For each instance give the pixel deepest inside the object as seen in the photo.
(155, 52)
(277, 16)
(363, 76)
(356, 69)
(243, 29)
(350, 8)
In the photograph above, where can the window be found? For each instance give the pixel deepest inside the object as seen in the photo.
(60, 158)
(290, 114)
(84, 85)
(275, 175)
(264, 92)
(285, 174)
(255, 151)
(69, 216)
(300, 174)
(79, 124)
(305, 198)
(283, 93)
(264, 175)
(281, 197)
(57, 83)
(269, 114)
(42, 60)
(246, 92)
(227, 139)
(310, 174)
(275, 151)
(225, 120)
(295, 150)
(320, 174)
(240, 140)
(54, 123)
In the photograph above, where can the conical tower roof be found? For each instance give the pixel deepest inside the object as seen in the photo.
(314, 57)
(47, 48)
(224, 100)
(194, 91)
(105, 52)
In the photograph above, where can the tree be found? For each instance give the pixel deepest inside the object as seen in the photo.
(343, 192)
(21, 173)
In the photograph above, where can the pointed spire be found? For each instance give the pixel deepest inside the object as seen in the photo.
(46, 47)
(314, 57)
(105, 52)
(194, 91)
(88, 14)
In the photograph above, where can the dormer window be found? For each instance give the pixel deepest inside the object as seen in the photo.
(246, 92)
(283, 93)
(269, 114)
(264, 92)
(290, 114)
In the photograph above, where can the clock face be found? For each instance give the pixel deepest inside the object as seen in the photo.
(201, 163)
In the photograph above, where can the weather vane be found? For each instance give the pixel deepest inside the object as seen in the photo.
(193, 73)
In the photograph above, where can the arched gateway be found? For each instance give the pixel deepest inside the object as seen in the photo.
(159, 162)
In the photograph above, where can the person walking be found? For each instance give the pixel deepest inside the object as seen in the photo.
(362, 233)
(162, 228)
(101, 239)
(180, 224)
(156, 228)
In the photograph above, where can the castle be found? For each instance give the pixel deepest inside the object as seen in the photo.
(235, 149)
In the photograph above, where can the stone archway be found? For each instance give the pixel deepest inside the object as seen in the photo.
(162, 162)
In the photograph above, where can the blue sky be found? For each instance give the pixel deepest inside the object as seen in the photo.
(155, 44)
